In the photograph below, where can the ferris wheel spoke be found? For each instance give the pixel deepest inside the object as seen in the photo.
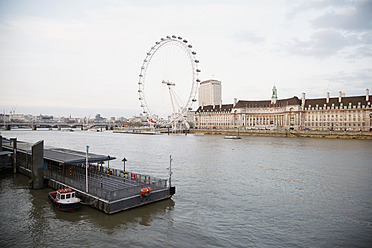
(178, 101)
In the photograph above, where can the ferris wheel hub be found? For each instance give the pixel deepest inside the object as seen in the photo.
(168, 83)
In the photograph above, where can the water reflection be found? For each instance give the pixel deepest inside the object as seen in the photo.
(143, 215)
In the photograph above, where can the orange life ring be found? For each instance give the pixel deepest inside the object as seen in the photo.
(132, 176)
(146, 191)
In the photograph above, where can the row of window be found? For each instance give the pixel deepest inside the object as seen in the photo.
(334, 124)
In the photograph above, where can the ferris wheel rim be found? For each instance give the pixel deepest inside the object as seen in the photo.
(183, 44)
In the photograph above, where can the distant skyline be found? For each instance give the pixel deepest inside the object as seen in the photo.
(81, 58)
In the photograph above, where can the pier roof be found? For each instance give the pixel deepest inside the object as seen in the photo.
(67, 156)
(60, 155)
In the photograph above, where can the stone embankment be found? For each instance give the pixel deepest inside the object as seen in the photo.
(289, 133)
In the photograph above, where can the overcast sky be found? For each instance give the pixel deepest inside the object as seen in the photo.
(84, 57)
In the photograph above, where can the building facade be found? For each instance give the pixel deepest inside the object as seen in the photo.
(323, 114)
(210, 93)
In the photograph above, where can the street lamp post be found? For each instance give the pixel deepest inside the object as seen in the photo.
(86, 171)
(124, 160)
(108, 166)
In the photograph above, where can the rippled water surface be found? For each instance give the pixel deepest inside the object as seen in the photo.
(257, 191)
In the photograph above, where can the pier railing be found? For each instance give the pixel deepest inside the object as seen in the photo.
(109, 184)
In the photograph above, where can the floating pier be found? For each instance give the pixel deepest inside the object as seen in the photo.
(107, 189)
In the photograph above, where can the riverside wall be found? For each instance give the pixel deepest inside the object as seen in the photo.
(288, 133)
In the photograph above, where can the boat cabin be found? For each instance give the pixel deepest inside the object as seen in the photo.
(65, 195)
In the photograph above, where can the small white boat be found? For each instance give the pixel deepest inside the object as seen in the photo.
(232, 137)
(64, 199)
(198, 134)
(96, 129)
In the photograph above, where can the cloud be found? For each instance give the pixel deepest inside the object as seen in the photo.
(342, 27)
(353, 83)
(249, 37)
(306, 6)
(338, 14)
(358, 17)
(39, 28)
(321, 44)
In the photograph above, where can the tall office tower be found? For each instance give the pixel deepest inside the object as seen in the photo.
(210, 93)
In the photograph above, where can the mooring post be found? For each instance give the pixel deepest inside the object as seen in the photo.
(1, 143)
(170, 171)
(14, 145)
(37, 174)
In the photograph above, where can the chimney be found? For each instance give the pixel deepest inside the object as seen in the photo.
(367, 95)
(340, 97)
(235, 101)
(303, 100)
(327, 97)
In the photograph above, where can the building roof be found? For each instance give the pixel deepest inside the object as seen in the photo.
(217, 108)
(211, 81)
(354, 100)
(267, 103)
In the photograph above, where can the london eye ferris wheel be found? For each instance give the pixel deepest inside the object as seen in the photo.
(168, 81)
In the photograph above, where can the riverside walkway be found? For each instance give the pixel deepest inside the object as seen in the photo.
(110, 190)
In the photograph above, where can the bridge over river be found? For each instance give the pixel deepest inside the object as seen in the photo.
(55, 124)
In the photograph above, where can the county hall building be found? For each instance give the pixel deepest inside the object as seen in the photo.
(321, 114)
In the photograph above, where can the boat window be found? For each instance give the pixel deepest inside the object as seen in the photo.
(68, 196)
(58, 196)
(62, 197)
(73, 195)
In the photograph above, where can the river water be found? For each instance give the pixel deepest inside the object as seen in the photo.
(257, 191)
